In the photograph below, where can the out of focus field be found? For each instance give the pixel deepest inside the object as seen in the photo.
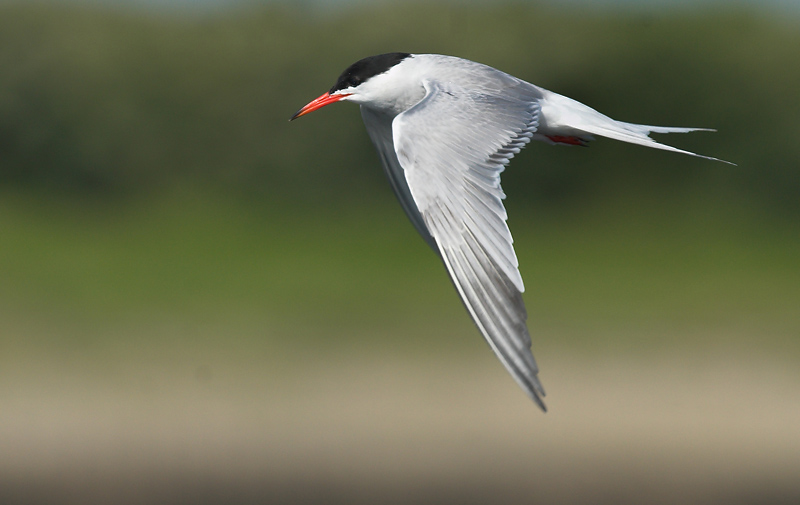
(202, 303)
(198, 351)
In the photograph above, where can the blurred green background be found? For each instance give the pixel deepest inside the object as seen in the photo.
(161, 220)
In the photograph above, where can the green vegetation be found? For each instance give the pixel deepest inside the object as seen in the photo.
(200, 265)
(110, 102)
(148, 175)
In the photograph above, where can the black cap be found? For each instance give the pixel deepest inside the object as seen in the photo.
(362, 70)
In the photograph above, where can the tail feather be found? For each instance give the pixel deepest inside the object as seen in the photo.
(639, 134)
(562, 116)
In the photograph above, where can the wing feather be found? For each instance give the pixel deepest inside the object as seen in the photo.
(379, 127)
(452, 147)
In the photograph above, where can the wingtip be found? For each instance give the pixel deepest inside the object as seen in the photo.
(537, 399)
(534, 390)
(537, 393)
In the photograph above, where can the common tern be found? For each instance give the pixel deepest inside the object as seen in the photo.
(445, 128)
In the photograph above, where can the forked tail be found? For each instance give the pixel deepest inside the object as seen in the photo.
(565, 118)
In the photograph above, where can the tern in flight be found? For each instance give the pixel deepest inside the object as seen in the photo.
(445, 128)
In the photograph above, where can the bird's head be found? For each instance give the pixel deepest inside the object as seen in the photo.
(365, 81)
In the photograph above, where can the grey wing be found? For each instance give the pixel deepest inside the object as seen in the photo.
(453, 146)
(379, 127)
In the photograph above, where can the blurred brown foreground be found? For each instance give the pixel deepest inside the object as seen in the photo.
(203, 425)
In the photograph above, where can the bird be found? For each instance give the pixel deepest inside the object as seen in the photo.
(445, 128)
